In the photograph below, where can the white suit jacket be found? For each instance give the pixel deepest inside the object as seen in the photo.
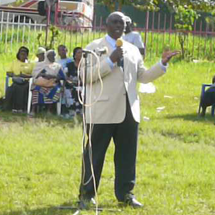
(110, 106)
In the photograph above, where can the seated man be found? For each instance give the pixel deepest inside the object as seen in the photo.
(208, 99)
(64, 60)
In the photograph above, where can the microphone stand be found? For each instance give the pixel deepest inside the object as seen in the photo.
(85, 55)
(77, 209)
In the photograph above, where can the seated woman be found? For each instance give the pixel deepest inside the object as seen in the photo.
(40, 54)
(20, 71)
(46, 88)
(71, 92)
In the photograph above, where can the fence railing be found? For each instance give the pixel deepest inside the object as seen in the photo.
(199, 43)
(15, 32)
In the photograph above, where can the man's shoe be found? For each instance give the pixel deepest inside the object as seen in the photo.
(86, 203)
(131, 201)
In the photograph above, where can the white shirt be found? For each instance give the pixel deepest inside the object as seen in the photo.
(63, 62)
(112, 42)
(134, 38)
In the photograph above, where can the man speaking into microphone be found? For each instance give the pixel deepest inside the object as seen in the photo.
(116, 113)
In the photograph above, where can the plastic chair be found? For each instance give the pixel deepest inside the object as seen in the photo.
(7, 83)
(58, 104)
(204, 86)
(29, 96)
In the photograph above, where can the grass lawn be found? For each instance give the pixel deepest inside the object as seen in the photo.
(40, 158)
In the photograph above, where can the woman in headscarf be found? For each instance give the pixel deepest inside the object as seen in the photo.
(46, 87)
(20, 71)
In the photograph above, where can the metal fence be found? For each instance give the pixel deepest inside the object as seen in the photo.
(15, 32)
(199, 43)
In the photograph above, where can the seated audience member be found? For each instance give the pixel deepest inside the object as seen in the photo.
(71, 87)
(46, 88)
(41, 54)
(62, 52)
(20, 71)
(208, 99)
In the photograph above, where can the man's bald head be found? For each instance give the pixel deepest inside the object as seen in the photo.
(115, 24)
(116, 13)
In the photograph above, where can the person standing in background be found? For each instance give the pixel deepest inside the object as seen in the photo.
(133, 37)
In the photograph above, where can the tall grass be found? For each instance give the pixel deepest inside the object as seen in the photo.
(11, 40)
(196, 46)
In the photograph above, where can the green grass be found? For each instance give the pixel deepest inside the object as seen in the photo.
(40, 158)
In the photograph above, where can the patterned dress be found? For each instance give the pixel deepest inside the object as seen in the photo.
(71, 93)
(44, 95)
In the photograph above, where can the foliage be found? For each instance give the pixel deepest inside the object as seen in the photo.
(200, 5)
(184, 20)
(54, 36)
(39, 38)
(211, 19)
(140, 4)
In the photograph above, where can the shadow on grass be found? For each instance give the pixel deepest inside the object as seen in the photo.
(192, 117)
(66, 208)
(49, 210)
(53, 120)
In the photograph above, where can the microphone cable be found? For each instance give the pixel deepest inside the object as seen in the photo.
(89, 105)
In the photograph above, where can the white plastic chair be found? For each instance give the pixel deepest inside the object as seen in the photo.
(60, 100)
(30, 99)
(29, 96)
(7, 81)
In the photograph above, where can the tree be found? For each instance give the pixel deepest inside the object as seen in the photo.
(186, 11)
(200, 5)
(141, 4)
(184, 20)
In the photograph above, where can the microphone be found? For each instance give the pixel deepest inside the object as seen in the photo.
(87, 51)
(119, 43)
(101, 51)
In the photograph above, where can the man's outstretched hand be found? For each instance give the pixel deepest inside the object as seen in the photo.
(167, 55)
